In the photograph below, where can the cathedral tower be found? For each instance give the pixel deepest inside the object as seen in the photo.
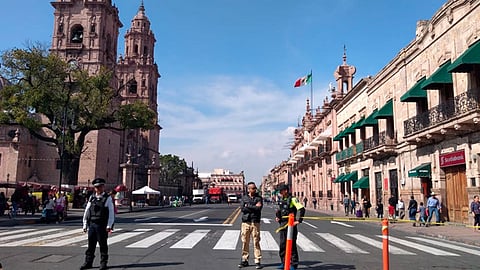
(138, 77)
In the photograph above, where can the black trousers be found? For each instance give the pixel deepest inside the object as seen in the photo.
(283, 245)
(97, 233)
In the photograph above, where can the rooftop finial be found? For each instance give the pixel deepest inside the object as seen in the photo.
(141, 8)
(344, 55)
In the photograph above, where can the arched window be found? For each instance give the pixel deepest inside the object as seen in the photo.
(76, 35)
(135, 49)
(145, 50)
(132, 88)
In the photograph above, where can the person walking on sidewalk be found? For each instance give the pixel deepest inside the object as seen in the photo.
(98, 220)
(475, 209)
(314, 201)
(401, 208)
(366, 206)
(423, 214)
(305, 201)
(412, 210)
(392, 203)
(433, 206)
(252, 205)
(346, 204)
(288, 204)
(379, 208)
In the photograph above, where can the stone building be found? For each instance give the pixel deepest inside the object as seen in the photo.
(232, 183)
(413, 128)
(86, 34)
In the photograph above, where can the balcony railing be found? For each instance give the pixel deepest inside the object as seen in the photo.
(461, 104)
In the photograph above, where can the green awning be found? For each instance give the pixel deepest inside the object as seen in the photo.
(371, 120)
(386, 111)
(362, 183)
(467, 60)
(339, 178)
(423, 170)
(439, 78)
(339, 136)
(360, 123)
(416, 93)
(350, 129)
(353, 176)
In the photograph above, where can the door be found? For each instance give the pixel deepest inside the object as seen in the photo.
(456, 200)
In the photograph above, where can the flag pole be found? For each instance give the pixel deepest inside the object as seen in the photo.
(311, 90)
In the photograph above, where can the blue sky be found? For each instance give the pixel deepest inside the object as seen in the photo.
(226, 96)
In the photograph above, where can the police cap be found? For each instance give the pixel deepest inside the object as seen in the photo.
(283, 187)
(98, 182)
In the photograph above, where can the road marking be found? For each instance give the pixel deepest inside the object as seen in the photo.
(378, 244)
(306, 245)
(341, 223)
(123, 236)
(423, 248)
(200, 219)
(69, 241)
(144, 219)
(447, 245)
(266, 220)
(267, 242)
(11, 237)
(228, 241)
(5, 233)
(191, 239)
(32, 241)
(309, 224)
(341, 244)
(185, 224)
(151, 240)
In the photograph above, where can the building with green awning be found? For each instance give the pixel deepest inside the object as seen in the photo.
(362, 183)
(439, 78)
(416, 93)
(466, 61)
(424, 170)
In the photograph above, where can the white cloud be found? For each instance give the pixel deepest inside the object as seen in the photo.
(239, 124)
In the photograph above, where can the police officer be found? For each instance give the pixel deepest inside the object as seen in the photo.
(98, 220)
(288, 204)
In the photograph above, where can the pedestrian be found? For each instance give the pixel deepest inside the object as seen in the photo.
(314, 201)
(401, 208)
(60, 206)
(3, 203)
(49, 208)
(392, 203)
(412, 210)
(251, 207)
(433, 206)
(29, 206)
(305, 200)
(353, 205)
(113, 194)
(346, 204)
(366, 206)
(422, 210)
(288, 204)
(98, 220)
(379, 208)
(475, 210)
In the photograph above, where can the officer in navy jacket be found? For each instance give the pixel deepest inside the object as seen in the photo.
(98, 220)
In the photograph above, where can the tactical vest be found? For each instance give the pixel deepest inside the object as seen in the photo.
(98, 211)
(285, 208)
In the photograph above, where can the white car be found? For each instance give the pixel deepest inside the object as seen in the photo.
(232, 198)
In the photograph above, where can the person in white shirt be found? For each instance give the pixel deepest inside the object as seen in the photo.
(98, 220)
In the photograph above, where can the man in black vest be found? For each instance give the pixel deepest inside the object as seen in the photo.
(98, 221)
(288, 204)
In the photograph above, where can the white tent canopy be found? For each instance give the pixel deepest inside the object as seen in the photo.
(145, 190)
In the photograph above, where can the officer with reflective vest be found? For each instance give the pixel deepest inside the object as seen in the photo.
(98, 220)
(288, 204)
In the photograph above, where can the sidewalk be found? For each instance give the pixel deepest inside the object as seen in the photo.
(72, 214)
(449, 231)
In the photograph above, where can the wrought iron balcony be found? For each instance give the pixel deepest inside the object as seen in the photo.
(462, 104)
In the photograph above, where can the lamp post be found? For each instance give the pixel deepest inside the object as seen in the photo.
(8, 179)
(132, 176)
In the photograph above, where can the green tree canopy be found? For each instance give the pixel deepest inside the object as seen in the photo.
(48, 95)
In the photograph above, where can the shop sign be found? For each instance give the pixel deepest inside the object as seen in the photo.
(452, 159)
(385, 183)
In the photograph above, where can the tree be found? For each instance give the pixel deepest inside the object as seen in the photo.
(171, 167)
(49, 96)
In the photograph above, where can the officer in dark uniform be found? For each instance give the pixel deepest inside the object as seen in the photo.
(98, 221)
(288, 204)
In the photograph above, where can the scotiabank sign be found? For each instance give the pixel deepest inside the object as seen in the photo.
(452, 159)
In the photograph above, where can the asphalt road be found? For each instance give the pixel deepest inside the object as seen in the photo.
(207, 237)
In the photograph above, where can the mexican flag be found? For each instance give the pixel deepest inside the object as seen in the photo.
(303, 80)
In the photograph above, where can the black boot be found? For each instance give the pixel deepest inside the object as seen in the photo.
(103, 266)
(86, 265)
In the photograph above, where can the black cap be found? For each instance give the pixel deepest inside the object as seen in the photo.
(98, 182)
(283, 187)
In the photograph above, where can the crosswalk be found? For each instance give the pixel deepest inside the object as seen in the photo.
(319, 242)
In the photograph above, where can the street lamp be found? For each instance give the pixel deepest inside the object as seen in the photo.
(61, 144)
(132, 175)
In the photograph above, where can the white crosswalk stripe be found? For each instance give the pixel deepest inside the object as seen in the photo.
(341, 244)
(423, 248)
(230, 240)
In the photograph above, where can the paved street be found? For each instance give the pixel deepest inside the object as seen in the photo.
(197, 238)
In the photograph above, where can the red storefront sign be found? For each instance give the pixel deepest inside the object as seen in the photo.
(385, 183)
(452, 159)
